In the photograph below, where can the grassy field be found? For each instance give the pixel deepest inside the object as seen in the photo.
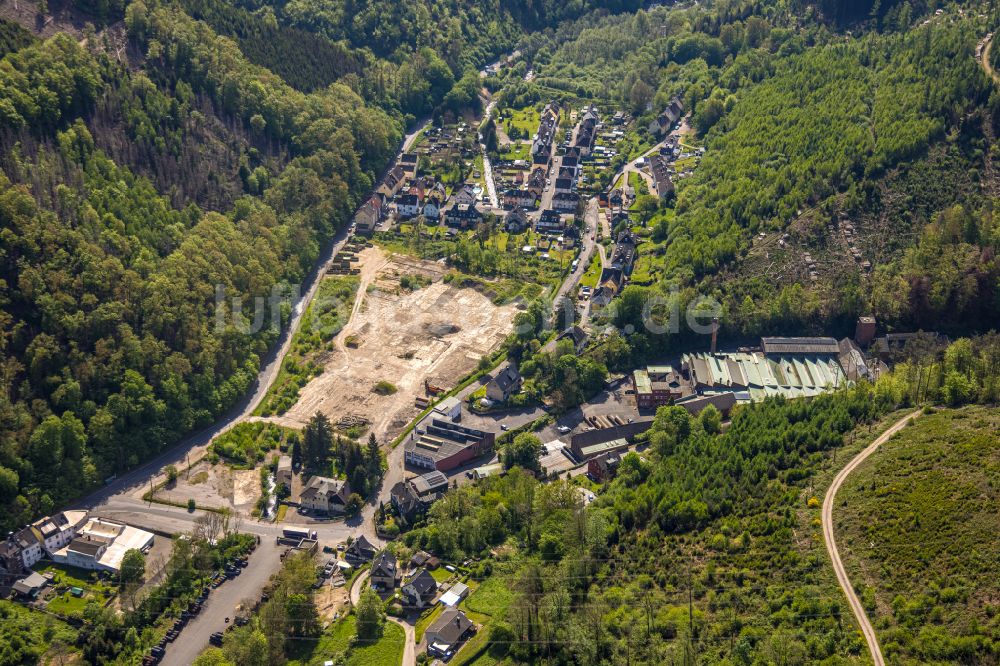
(593, 274)
(441, 574)
(337, 644)
(917, 529)
(518, 151)
(492, 597)
(324, 318)
(67, 577)
(526, 120)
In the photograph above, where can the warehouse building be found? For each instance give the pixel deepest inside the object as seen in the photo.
(442, 445)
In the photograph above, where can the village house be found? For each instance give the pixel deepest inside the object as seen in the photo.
(325, 495)
(369, 215)
(662, 181)
(419, 591)
(541, 153)
(577, 335)
(506, 383)
(464, 196)
(404, 500)
(22, 550)
(615, 198)
(518, 198)
(609, 285)
(413, 496)
(432, 210)
(665, 121)
(446, 634)
(564, 185)
(603, 467)
(360, 551)
(550, 221)
(570, 163)
(60, 529)
(566, 202)
(392, 183)
(516, 221)
(385, 571)
(463, 216)
(624, 255)
(407, 206)
(408, 162)
(536, 182)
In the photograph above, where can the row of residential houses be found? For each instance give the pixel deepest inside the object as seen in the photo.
(420, 590)
(73, 538)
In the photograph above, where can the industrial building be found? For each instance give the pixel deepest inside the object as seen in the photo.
(101, 544)
(442, 445)
(658, 385)
(791, 374)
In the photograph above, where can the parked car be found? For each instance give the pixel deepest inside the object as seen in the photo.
(216, 638)
(563, 429)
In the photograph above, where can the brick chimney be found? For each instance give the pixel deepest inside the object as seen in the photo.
(715, 333)
(865, 331)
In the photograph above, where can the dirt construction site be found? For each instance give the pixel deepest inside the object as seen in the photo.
(403, 337)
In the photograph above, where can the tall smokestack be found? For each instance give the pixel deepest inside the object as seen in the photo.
(715, 332)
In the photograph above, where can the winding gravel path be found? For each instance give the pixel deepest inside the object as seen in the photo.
(831, 544)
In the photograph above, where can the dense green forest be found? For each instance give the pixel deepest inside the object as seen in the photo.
(110, 347)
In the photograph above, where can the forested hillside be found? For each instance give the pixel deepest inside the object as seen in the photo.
(888, 127)
(128, 197)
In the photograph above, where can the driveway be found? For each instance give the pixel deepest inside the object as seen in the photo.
(222, 602)
(409, 644)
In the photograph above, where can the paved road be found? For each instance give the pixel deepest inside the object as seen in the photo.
(222, 603)
(831, 545)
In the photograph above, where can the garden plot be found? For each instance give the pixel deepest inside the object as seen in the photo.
(396, 339)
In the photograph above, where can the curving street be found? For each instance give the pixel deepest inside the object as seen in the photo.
(410, 642)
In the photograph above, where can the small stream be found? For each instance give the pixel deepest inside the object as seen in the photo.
(272, 498)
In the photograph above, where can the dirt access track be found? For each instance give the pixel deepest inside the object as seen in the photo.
(436, 332)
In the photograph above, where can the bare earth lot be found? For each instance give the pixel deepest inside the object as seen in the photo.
(216, 486)
(437, 332)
